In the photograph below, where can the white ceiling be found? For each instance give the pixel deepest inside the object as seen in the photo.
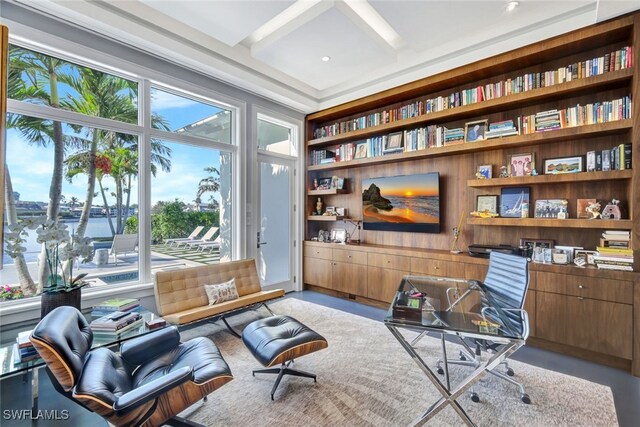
(274, 47)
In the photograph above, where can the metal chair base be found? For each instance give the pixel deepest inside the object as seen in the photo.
(282, 371)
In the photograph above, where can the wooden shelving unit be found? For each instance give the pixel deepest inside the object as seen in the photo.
(599, 323)
(551, 179)
(553, 223)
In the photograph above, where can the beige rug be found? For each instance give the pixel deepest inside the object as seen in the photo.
(365, 378)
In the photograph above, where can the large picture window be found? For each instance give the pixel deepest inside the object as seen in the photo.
(74, 185)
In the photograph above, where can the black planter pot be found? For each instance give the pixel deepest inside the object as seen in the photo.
(52, 301)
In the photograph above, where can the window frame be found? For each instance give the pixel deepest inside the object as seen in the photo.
(146, 79)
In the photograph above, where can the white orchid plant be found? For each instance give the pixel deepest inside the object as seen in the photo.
(59, 247)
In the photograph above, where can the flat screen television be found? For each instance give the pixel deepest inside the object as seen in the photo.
(409, 203)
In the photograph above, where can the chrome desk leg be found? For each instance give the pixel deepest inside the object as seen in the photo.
(446, 364)
(449, 397)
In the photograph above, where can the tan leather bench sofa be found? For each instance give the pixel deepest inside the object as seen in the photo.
(181, 298)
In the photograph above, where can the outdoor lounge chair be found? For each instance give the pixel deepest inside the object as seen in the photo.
(214, 244)
(192, 236)
(207, 237)
(123, 243)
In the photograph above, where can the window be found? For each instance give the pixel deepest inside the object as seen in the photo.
(275, 137)
(85, 173)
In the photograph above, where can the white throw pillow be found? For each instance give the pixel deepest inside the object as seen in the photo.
(221, 292)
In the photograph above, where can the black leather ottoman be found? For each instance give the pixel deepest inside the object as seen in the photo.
(278, 340)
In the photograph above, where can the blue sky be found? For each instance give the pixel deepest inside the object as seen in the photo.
(30, 165)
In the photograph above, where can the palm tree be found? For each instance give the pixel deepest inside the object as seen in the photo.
(210, 183)
(35, 79)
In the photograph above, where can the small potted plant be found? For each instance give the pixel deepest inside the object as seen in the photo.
(61, 252)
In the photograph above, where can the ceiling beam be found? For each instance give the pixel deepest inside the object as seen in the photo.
(293, 17)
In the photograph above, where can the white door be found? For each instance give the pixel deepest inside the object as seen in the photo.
(276, 227)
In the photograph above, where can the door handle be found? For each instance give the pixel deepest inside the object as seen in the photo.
(261, 244)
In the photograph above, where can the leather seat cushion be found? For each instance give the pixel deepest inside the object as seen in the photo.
(201, 354)
(276, 339)
(104, 377)
(206, 311)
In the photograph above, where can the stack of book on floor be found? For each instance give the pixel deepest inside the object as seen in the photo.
(23, 350)
(503, 128)
(614, 252)
(115, 304)
(115, 324)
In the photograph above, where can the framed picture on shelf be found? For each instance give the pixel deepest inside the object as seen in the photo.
(362, 150)
(521, 164)
(334, 181)
(551, 208)
(512, 200)
(475, 131)
(536, 248)
(338, 235)
(487, 203)
(585, 255)
(324, 183)
(573, 164)
(581, 208)
(341, 211)
(485, 171)
(394, 143)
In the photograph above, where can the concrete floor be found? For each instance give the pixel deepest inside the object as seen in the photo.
(15, 391)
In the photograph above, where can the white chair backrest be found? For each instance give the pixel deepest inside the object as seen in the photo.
(124, 243)
(209, 234)
(195, 232)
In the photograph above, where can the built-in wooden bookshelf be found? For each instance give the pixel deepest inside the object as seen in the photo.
(459, 188)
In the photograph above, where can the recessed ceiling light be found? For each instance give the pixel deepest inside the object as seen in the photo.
(511, 6)
(326, 58)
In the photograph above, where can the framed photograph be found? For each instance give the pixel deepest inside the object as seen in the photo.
(475, 131)
(537, 247)
(581, 208)
(339, 235)
(551, 208)
(324, 183)
(331, 210)
(521, 164)
(394, 143)
(362, 150)
(485, 171)
(587, 256)
(573, 164)
(488, 203)
(512, 200)
(341, 211)
(340, 184)
(334, 181)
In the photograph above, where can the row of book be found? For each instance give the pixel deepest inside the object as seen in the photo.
(613, 61)
(580, 115)
(23, 350)
(616, 158)
(438, 136)
(614, 252)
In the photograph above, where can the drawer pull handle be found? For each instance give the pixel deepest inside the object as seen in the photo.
(581, 298)
(580, 287)
(349, 256)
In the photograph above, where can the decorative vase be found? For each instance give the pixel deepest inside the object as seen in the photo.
(50, 301)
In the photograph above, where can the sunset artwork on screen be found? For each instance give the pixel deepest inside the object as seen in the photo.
(402, 203)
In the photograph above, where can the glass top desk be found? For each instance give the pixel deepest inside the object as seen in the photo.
(9, 367)
(460, 308)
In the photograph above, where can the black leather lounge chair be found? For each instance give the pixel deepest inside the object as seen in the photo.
(153, 378)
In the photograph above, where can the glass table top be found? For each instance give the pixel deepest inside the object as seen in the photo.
(9, 366)
(450, 305)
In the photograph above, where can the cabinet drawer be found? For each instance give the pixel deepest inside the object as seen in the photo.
(317, 272)
(355, 257)
(395, 262)
(436, 267)
(586, 287)
(318, 252)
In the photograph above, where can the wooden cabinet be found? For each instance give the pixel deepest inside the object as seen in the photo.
(436, 267)
(530, 308)
(317, 272)
(586, 287)
(349, 278)
(599, 326)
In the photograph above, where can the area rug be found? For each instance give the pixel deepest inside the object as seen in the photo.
(365, 378)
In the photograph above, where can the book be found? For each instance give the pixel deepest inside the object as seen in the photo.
(117, 304)
(23, 339)
(114, 321)
(120, 331)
